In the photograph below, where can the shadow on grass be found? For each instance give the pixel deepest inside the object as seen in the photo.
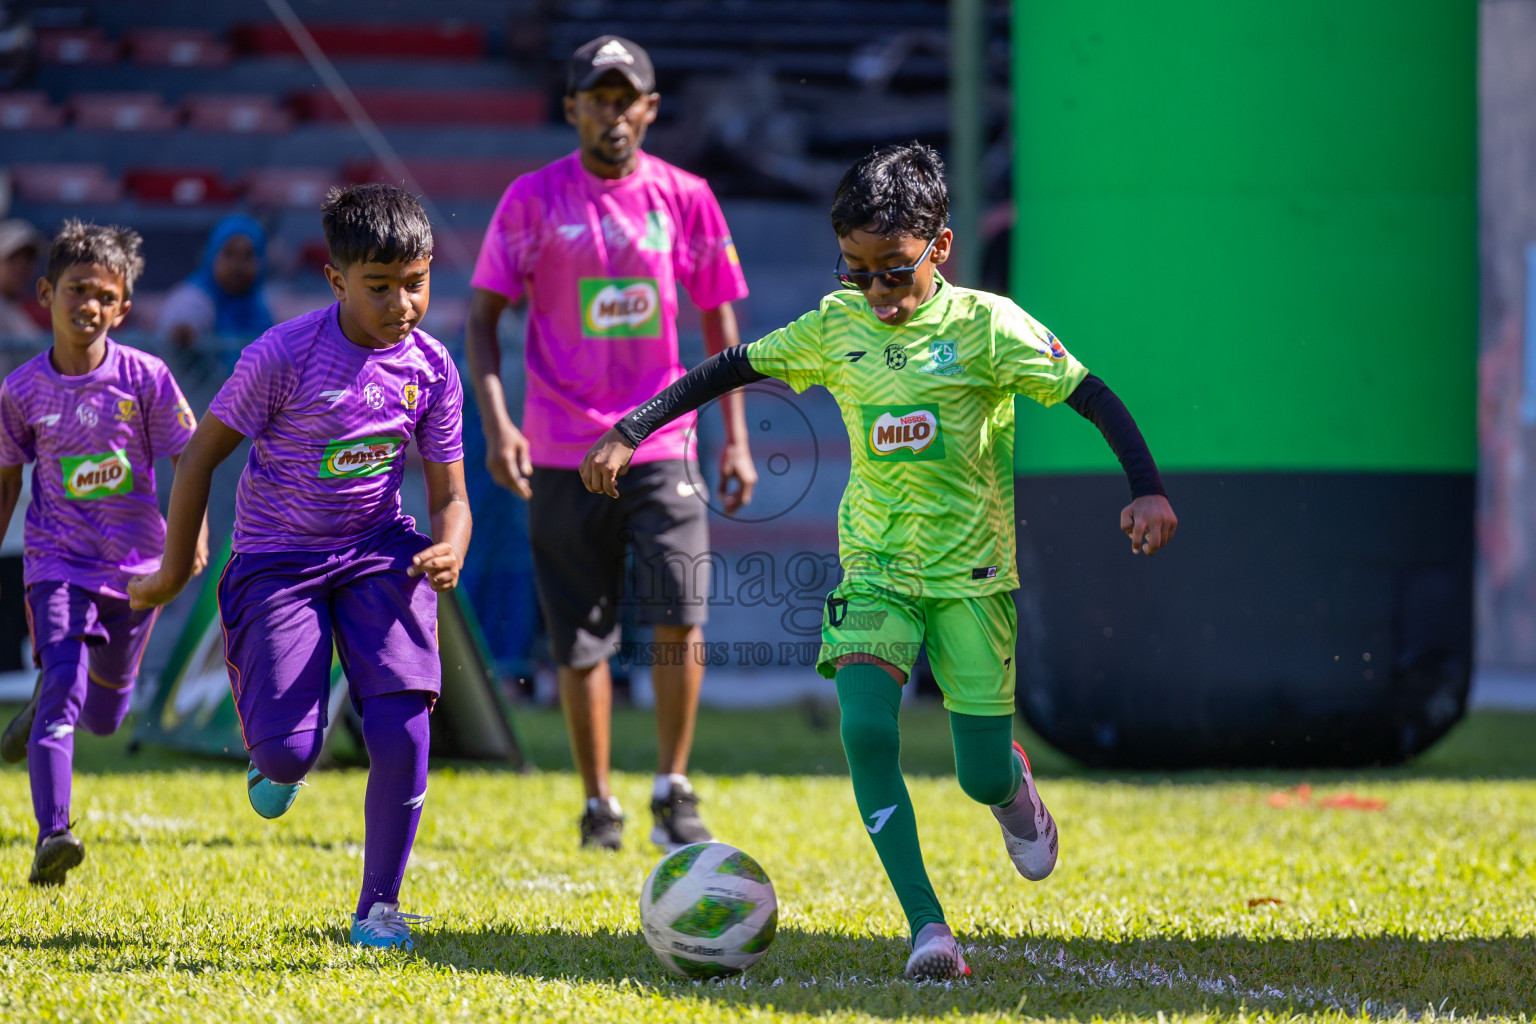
(817, 973)
(804, 740)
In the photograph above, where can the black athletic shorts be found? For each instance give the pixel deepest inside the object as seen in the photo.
(579, 544)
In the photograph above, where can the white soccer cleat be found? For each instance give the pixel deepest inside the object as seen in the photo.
(1034, 857)
(936, 955)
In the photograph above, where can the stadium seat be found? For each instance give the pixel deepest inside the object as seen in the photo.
(66, 183)
(238, 112)
(452, 178)
(394, 40)
(429, 106)
(176, 47)
(122, 112)
(181, 186)
(75, 46)
(28, 111)
(289, 187)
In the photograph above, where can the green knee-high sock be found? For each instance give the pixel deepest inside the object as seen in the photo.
(985, 763)
(870, 699)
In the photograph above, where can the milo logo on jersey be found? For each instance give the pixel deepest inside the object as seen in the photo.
(366, 456)
(620, 307)
(88, 477)
(904, 433)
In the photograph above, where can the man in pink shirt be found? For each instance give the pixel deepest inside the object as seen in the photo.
(597, 244)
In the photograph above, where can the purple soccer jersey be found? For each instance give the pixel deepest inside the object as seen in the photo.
(329, 421)
(94, 520)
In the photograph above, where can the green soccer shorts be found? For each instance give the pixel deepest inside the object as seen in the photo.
(970, 640)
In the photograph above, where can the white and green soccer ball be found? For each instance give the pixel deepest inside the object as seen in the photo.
(708, 911)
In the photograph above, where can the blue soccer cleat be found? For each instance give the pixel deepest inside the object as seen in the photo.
(269, 799)
(385, 928)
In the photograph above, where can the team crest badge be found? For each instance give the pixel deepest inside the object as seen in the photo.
(124, 410)
(941, 359)
(409, 395)
(185, 418)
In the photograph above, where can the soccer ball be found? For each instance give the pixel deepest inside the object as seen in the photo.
(708, 911)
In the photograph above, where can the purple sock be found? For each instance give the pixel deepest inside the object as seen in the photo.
(51, 747)
(397, 733)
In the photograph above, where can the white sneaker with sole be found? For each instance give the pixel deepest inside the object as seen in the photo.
(1035, 856)
(936, 955)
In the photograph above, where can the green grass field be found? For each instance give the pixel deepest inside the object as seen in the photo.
(189, 907)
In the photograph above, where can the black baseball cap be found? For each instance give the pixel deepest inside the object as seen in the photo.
(593, 60)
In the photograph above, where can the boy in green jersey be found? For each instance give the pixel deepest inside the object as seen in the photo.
(925, 375)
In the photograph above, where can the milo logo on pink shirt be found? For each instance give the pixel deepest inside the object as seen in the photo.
(88, 477)
(365, 456)
(620, 307)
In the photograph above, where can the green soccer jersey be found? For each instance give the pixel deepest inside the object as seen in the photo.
(929, 409)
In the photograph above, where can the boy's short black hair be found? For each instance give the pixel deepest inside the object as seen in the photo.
(896, 190)
(374, 224)
(119, 249)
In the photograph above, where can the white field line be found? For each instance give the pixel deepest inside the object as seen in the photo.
(1110, 973)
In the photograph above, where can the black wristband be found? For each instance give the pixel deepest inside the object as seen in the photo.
(1100, 406)
(718, 375)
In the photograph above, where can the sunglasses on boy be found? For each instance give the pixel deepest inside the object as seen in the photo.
(864, 280)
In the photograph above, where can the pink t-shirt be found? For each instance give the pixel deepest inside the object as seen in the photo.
(600, 262)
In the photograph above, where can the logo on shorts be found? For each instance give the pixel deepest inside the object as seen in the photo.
(86, 415)
(620, 307)
(903, 433)
(88, 477)
(374, 396)
(125, 410)
(409, 395)
(366, 456)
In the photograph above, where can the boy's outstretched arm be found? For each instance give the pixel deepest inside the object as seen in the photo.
(200, 555)
(608, 459)
(1148, 520)
(451, 526)
(211, 444)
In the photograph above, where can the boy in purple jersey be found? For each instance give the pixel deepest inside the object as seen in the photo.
(323, 551)
(93, 415)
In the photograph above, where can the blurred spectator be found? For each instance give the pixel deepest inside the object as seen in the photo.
(20, 248)
(226, 296)
(18, 48)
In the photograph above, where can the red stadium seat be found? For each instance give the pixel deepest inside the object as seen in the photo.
(399, 40)
(28, 111)
(66, 183)
(176, 47)
(251, 114)
(75, 46)
(430, 106)
(122, 112)
(302, 187)
(452, 178)
(181, 186)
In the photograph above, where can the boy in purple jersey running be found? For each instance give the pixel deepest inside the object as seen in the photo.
(323, 551)
(93, 415)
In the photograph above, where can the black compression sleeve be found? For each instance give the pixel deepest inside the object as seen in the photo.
(1102, 407)
(720, 374)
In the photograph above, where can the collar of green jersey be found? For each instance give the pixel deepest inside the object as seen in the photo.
(931, 312)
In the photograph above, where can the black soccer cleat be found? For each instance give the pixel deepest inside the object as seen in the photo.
(13, 742)
(57, 853)
(677, 820)
(602, 825)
